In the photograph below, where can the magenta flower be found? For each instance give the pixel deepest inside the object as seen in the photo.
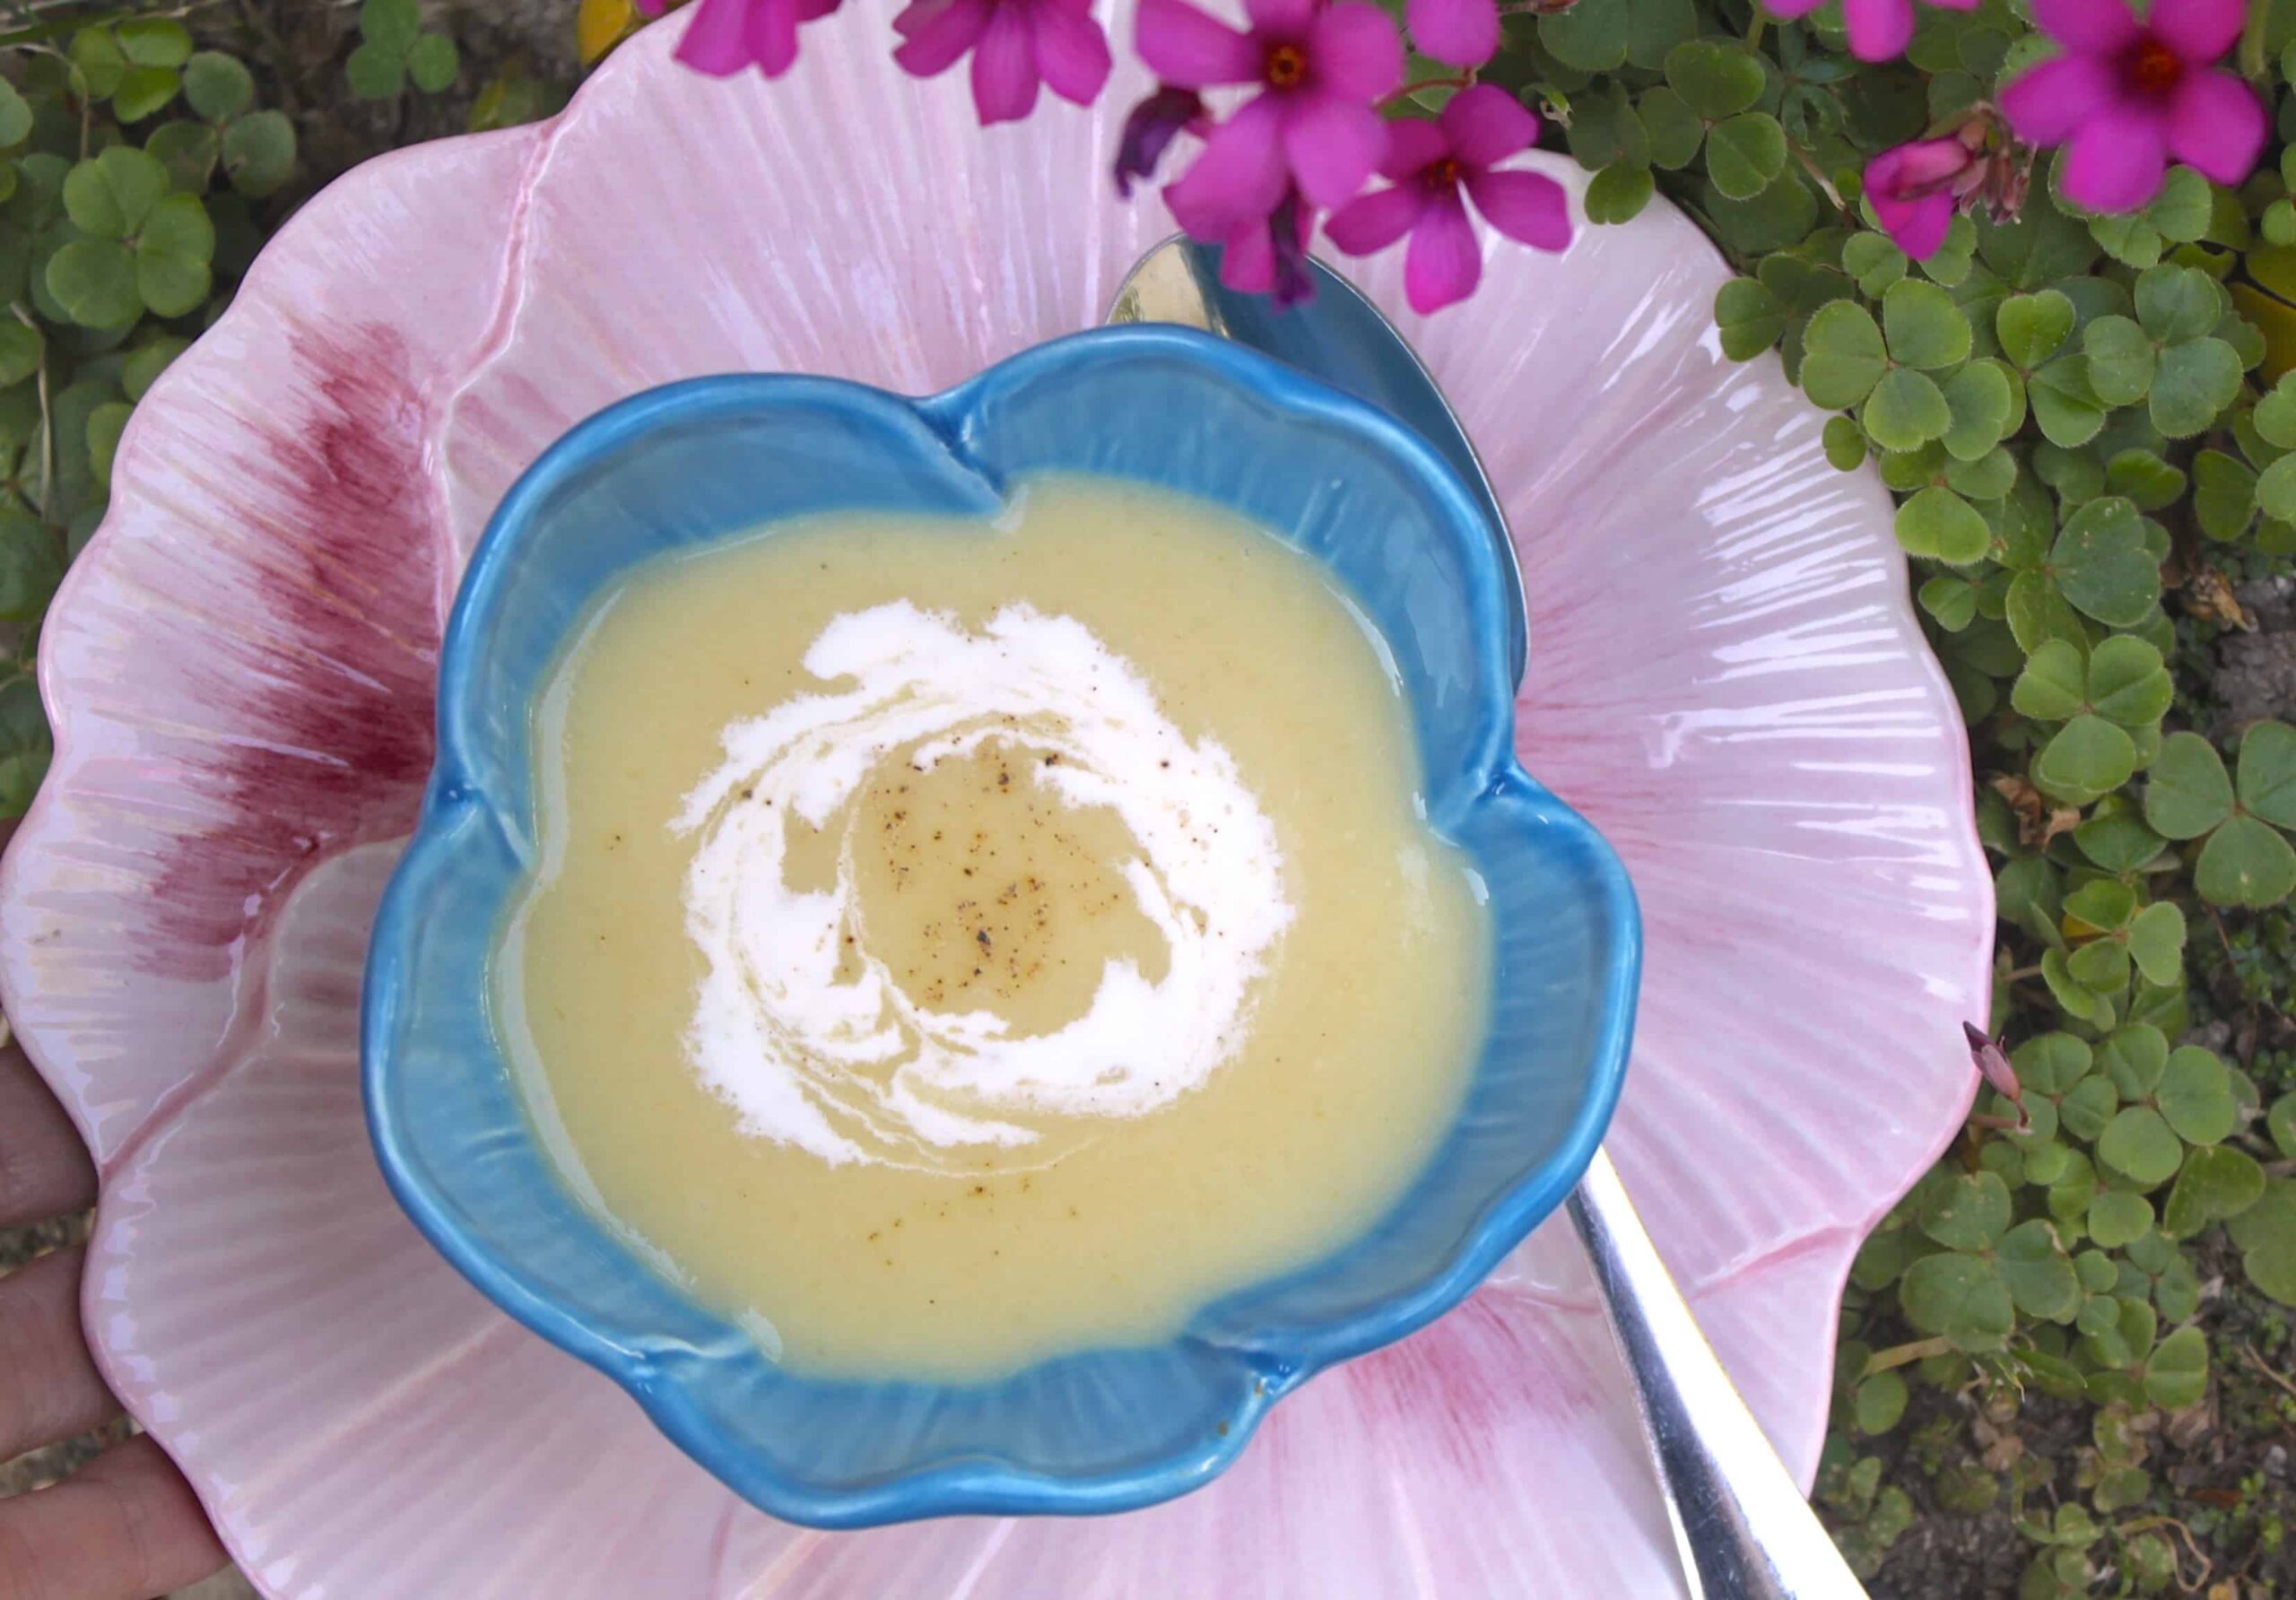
(1879, 29)
(1461, 33)
(1015, 45)
(1912, 188)
(2128, 95)
(1430, 164)
(728, 35)
(1321, 68)
(1915, 188)
(1269, 255)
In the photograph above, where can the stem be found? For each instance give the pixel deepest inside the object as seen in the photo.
(1901, 1355)
(2261, 1365)
(1464, 81)
(1754, 28)
(2252, 59)
(2144, 1524)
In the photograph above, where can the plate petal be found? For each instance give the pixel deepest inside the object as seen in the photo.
(240, 664)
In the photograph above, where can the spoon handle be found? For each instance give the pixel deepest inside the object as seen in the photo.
(1742, 1528)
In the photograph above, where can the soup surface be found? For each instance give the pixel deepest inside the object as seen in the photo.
(959, 942)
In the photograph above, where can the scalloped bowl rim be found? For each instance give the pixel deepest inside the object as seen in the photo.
(1490, 777)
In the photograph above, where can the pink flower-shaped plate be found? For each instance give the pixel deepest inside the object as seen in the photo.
(1726, 676)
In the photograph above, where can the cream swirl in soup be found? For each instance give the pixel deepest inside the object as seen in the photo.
(811, 1035)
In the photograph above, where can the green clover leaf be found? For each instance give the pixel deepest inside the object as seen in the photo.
(24, 745)
(2139, 1144)
(2196, 1096)
(2266, 1234)
(2103, 564)
(2224, 494)
(2175, 1374)
(2033, 327)
(1968, 1213)
(1960, 1298)
(2117, 1217)
(2122, 360)
(2217, 1182)
(1844, 356)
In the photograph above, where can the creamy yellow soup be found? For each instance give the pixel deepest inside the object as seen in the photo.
(956, 943)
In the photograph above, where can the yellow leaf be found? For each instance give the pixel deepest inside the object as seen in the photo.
(602, 24)
(2276, 321)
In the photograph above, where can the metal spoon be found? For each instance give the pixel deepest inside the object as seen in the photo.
(1742, 1528)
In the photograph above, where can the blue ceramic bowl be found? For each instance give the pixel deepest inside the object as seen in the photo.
(1103, 1429)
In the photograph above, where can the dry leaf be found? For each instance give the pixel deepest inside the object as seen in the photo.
(2038, 821)
(2209, 597)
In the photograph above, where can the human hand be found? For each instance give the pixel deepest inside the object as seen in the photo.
(125, 1526)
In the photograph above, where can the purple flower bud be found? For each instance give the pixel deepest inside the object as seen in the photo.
(1149, 131)
(1993, 1061)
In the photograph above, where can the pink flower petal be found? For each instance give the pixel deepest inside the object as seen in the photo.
(2046, 105)
(2198, 30)
(1248, 259)
(717, 40)
(1486, 125)
(1462, 33)
(2092, 27)
(2217, 123)
(1190, 50)
(1917, 227)
(1239, 176)
(1333, 143)
(1879, 29)
(2120, 156)
(1413, 144)
(1925, 163)
(938, 33)
(1528, 207)
(1072, 53)
(1352, 50)
(773, 35)
(1445, 261)
(1280, 19)
(1373, 222)
(1259, 259)
(1004, 67)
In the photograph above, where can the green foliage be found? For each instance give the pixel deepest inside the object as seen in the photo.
(138, 168)
(2084, 423)
(394, 50)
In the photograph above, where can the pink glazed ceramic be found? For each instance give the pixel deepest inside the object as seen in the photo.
(1726, 676)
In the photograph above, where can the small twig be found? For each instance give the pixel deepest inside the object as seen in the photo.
(2259, 1363)
(2145, 1524)
(1817, 175)
(1900, 1355)
(1464, 81)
